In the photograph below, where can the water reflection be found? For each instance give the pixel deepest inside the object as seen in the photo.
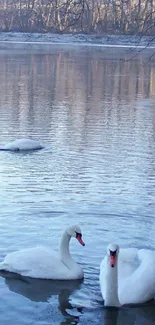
(126, 315)
(39, 290)
(110, 316)
(129, 315)
(35, 85)
(97, 118)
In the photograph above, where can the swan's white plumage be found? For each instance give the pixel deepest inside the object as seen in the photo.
(44, 263)
(136, 276)
(22, 144)
(38, 262)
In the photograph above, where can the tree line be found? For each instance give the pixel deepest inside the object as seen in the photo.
(78, 16)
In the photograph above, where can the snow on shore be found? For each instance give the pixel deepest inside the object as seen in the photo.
(80, 39)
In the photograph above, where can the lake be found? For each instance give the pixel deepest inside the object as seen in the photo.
(96, 117)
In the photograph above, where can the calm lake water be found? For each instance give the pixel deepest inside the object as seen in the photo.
(96, 117)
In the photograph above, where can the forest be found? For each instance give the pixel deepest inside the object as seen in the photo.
(128, 17)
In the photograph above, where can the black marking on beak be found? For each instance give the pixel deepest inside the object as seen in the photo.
(113, 253)
(78, 234)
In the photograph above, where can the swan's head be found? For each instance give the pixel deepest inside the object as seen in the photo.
(75, 231)
(113, 251)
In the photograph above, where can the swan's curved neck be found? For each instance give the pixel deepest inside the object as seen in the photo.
(64, 250)
(111, 285)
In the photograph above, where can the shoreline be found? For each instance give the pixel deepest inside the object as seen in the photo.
(112, 46)
(127, 46)
(115, 41)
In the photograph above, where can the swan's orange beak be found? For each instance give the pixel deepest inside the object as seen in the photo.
(113, 260)
(79, 238)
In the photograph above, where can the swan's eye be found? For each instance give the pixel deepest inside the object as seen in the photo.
(78, 235)
(112, 253)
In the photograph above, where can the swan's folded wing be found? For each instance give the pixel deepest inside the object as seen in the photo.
(147, 255)
(128, 254)
(127, 262)
(37, 262)
(139, 287)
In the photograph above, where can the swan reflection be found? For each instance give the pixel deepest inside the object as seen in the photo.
(139, 315)
(40, 290)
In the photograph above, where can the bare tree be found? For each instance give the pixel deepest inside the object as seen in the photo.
(90, 16)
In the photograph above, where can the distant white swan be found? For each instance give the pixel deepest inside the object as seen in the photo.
(43, 262)
(128, 276)
(22, 144)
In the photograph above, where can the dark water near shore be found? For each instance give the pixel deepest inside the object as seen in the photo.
(96, 118)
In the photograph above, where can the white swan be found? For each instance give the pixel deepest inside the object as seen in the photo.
(128, 276)
(42, 262)
(22, 144)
